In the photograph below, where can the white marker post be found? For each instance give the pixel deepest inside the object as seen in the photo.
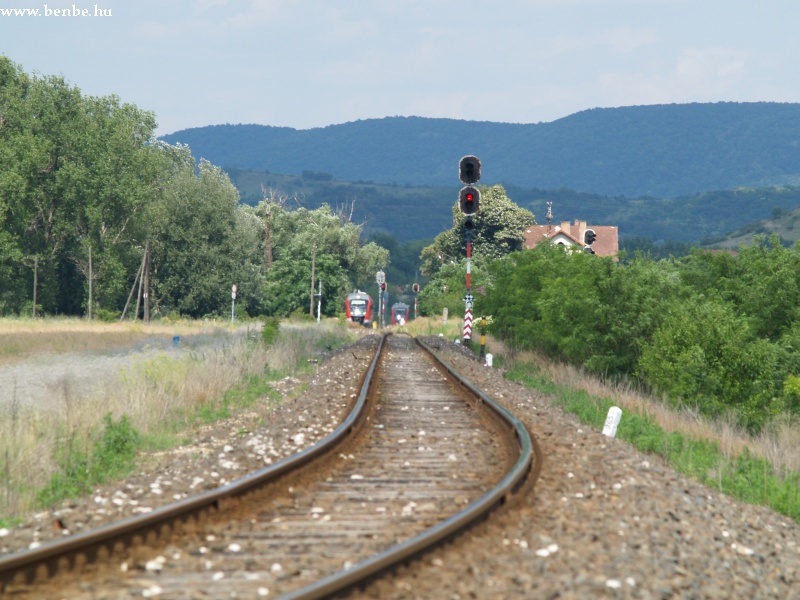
(233, 300)
(612, 421)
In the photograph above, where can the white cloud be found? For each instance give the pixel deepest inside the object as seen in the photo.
(710, 70)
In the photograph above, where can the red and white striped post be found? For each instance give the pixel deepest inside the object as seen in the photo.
(467, 332)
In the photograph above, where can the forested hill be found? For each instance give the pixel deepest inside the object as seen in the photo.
(661, 150)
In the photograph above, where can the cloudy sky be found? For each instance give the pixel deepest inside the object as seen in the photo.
(312, 63)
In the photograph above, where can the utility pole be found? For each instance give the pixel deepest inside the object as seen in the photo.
(313, 274)
(319, 301)
(90, 284)
(147, 282)
(380, 279)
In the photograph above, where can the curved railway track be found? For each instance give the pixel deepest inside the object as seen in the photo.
(422, 455)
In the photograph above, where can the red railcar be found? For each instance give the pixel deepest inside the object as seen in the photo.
(358, 308)
(401, 313)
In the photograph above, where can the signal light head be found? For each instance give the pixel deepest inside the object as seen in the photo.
(469, 169)
(469, 200)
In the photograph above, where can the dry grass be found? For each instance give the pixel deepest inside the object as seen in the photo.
(158, 391)
(779, 443)
(19, 338)
(154, 390)
(452, 329)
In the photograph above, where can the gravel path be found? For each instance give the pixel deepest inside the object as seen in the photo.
(604, 520)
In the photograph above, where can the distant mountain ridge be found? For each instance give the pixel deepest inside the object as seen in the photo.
(659, 150)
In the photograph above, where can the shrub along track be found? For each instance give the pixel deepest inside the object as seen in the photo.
(426, 456)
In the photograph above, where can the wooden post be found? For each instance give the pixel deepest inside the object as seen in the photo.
(139, 289)
(133, 287)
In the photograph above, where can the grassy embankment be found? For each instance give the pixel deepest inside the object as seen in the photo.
(763, 469)
(84, 437)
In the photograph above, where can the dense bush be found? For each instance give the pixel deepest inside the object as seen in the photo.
(270, 330)
(719, 331)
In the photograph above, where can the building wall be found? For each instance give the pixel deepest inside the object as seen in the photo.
(606, 243)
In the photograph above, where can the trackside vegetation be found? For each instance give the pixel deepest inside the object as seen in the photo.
(744, 475)
(86, 189)
(51, 453)
(715, 331)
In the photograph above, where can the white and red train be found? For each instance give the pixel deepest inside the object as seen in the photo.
(358, 308)
(401, 313)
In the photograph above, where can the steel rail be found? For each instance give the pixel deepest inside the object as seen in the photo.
(29, 564)
(527, 465)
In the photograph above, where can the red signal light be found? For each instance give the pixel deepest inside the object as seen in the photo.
(469, 200)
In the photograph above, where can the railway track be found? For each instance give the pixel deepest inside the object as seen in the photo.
(422, 455)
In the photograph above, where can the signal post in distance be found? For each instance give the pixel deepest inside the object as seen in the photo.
(469, 201)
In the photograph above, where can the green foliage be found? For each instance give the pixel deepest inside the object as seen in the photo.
(639, 244)
(111, 456)
(83, 177)
(405, 263)
(108, 316)
(243, 395)
(201, 245)
(712, 330)
(448, 287)
(303, 240)
(73, 172)
(499, 229)
(115, 451)
(270, 330)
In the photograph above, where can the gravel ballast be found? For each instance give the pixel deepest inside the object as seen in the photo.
(602, 521)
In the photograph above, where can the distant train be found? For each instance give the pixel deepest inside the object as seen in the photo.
(401, 313)
(358, 308)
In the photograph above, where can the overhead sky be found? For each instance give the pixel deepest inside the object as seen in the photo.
(313, 63)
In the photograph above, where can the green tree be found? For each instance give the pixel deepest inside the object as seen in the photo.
(499, 228)
(320, 241)
(202, 242)
(704, 355)
(446, 289)
(75, 174)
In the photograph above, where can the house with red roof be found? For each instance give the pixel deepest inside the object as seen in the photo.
(606, 237)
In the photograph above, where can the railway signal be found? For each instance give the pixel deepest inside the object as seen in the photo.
(469, 200)
(589, 237)
(469, 169)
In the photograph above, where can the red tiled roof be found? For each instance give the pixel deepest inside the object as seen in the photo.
(606, 243)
